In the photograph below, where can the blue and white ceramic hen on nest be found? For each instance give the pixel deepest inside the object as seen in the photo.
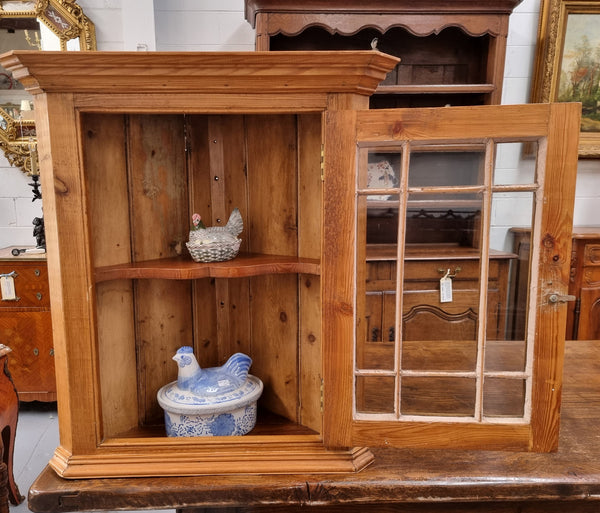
(214, 401)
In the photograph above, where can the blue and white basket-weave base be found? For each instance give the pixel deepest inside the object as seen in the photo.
(232, 423)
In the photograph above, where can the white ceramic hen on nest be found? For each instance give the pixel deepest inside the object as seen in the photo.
(215, 243)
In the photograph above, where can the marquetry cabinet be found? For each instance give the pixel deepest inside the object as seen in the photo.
(451, 52)
(132, 144)
(26, 326)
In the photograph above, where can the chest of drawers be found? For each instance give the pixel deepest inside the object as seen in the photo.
(422, 312)
(26, 326)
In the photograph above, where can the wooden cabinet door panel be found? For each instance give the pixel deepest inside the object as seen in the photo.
(470, 415)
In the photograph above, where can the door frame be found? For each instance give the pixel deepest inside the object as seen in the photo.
(556, 129)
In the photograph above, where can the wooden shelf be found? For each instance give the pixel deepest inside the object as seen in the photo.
(267, 424)
(182, 268)
(435, 89)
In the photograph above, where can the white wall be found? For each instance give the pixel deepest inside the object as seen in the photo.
(219, 25)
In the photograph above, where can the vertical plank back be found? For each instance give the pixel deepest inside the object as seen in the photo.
(273, 196)
(159, 218)
(106, 178)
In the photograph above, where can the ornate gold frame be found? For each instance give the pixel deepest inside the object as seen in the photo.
(549, 55)
(66, 20)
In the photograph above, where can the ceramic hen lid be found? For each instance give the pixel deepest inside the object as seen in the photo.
(211, 390)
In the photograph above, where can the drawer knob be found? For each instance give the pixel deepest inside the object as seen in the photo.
(39, 296)
(36, 351)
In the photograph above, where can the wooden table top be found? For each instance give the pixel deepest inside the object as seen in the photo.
(398, 480)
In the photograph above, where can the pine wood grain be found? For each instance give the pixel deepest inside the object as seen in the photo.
(211, 72)
(106, 179)
(159, 220)
(310, 220)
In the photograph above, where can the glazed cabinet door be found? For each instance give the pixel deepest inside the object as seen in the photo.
(416, 275)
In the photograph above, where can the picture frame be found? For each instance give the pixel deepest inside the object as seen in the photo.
(567, 67)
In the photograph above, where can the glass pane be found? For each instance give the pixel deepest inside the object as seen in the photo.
(447, 165)
(383, 170)
(515, 163)
(375, 394)
(375, 347)
(441, 284)
(503, 397)
(509, 275)
(440, 355)
(438, 396)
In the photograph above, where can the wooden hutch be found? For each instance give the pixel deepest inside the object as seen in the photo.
(451, 52)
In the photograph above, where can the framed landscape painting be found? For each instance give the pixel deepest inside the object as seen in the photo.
(568, 63)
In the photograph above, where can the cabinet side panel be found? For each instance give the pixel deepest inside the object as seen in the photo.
(106, 179)
(309, 245)
(159, 215)
(116, 351)
(272, 228)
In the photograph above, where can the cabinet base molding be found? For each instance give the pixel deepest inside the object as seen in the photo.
(266, 458)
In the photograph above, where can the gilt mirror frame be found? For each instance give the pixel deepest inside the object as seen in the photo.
(66, 20)
(559, 50)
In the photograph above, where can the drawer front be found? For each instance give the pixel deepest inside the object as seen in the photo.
(30, 283)
(591, 255)
(426, 274)
(464, 270)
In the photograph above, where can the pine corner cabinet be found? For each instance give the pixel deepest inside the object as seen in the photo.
(131, 144)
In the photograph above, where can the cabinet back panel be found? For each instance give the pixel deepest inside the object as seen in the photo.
(170, 167)
(273, 225)
(159, 220)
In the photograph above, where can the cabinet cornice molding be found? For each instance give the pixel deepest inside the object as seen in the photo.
(262, 73)
(383, 7)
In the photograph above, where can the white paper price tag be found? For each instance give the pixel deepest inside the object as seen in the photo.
(7, 285)
(446, 289)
